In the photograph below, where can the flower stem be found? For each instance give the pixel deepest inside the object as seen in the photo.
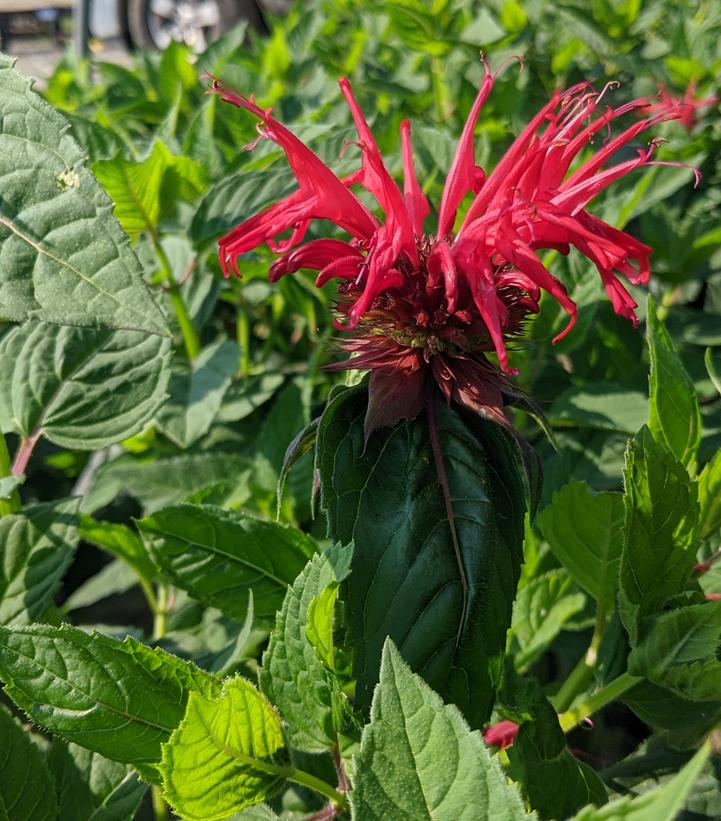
(444, 107)
(316, 784)
(11, 505)
(190, 337)
(581, 675)
(572, 718)
(242, 336)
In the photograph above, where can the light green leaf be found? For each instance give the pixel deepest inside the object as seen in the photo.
(80, 388)
(227, 754)
(419, 758)
(713, 368)
(218, 556)
(26, 787)
(36, 548)
(658, 554)
(63, 256)
(600, 405)
(9, 484)
(540, 612)
(196, 392)
(709, 498)
(674, 415)
(120, 541)
(585, 532)
(93, 788)
(319, 625)
(119, 699)
(661, 804)
(167, 480)
(678, 652)
(244, 397)
(293, 677)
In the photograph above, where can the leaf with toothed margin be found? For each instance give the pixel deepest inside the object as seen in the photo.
(120, 699)
(63, 256)
(419, 758)
(80, 388)
(406, 581)
(26, 787)
(227, 754)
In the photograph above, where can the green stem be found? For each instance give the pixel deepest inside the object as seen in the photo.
(190, 337)
(11, 505)
(316, 784)
(572, 718)
(160, 808)
(444, 106)
(582, 673)
(242, 335)
(159, 605)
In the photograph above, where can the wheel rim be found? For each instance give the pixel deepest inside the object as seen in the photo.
(191, 22)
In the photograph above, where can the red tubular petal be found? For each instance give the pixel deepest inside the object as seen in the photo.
(440, 261)
(416, 201)
(313, 255)
(331, 199)
(343, 268)
(376, 179)
(462, 176)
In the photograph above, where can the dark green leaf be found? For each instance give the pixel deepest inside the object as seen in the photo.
(658, 548)
(228, 753)
(118, 540)
(114, 578)
(405, 581)
(63, 257)
(26, 787)
(244, 397)
(81, 388)
(218, 556)
(709, 497)
(419, 758)
(293, 677)
(674, 416)
(302, 444)
(92, 788)
(120, 699)
(36, 548)
(600, 405)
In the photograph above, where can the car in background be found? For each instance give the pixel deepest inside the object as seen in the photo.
(149, 24)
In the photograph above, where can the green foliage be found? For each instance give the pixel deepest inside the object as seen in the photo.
(420, 759)
(228, 753)
(26, 787)
(385, 496)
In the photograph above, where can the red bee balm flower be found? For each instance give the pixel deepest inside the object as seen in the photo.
(417, 304)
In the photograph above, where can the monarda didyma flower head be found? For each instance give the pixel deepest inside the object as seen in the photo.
(422, 305)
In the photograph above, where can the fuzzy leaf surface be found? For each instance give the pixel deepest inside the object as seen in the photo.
(81, 388)
(228, 754)
(63, 256)
(218, 556)
(293, 677)
(419, 758)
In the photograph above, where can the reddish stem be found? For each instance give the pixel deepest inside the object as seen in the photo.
(343, 785)
(22, 457)
(329, 811)
(432, 418)
(704, 567)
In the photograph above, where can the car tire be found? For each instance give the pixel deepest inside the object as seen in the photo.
(147, 31)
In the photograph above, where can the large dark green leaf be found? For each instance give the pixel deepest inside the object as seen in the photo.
(406, 581)
(220, 556)
(63, 256)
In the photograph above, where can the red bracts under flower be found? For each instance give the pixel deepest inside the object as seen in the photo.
(420, 304)
(501, 734)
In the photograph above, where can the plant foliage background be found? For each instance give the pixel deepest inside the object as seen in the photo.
(149, 404)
